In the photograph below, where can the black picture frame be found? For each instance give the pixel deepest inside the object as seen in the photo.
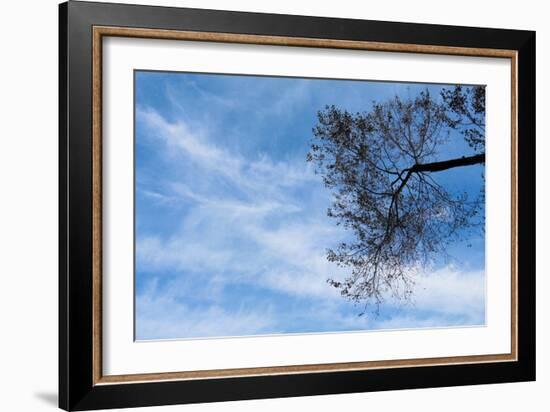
(77, 390)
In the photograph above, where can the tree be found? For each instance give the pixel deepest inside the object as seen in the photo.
(381, 167)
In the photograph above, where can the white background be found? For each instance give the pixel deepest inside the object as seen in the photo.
(28, 218)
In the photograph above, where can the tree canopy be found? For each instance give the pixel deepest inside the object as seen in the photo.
(380, 166)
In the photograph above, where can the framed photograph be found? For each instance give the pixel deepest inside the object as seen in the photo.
(256, 205)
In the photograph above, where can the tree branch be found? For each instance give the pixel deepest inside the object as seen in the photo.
(449, 164)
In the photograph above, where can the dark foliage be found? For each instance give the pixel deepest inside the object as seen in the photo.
(380, 167)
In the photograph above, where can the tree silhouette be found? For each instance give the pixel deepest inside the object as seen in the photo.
(381, 166)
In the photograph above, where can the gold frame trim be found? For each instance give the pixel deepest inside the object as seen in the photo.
(100, 31)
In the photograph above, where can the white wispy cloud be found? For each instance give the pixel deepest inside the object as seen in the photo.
(450, 290)
(163, 316)
(259, 177)
(164, 313)
(446, 296)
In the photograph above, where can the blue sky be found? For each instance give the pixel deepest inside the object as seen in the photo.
(231, 225)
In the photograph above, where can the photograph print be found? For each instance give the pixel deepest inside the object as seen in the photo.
(277, 205)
